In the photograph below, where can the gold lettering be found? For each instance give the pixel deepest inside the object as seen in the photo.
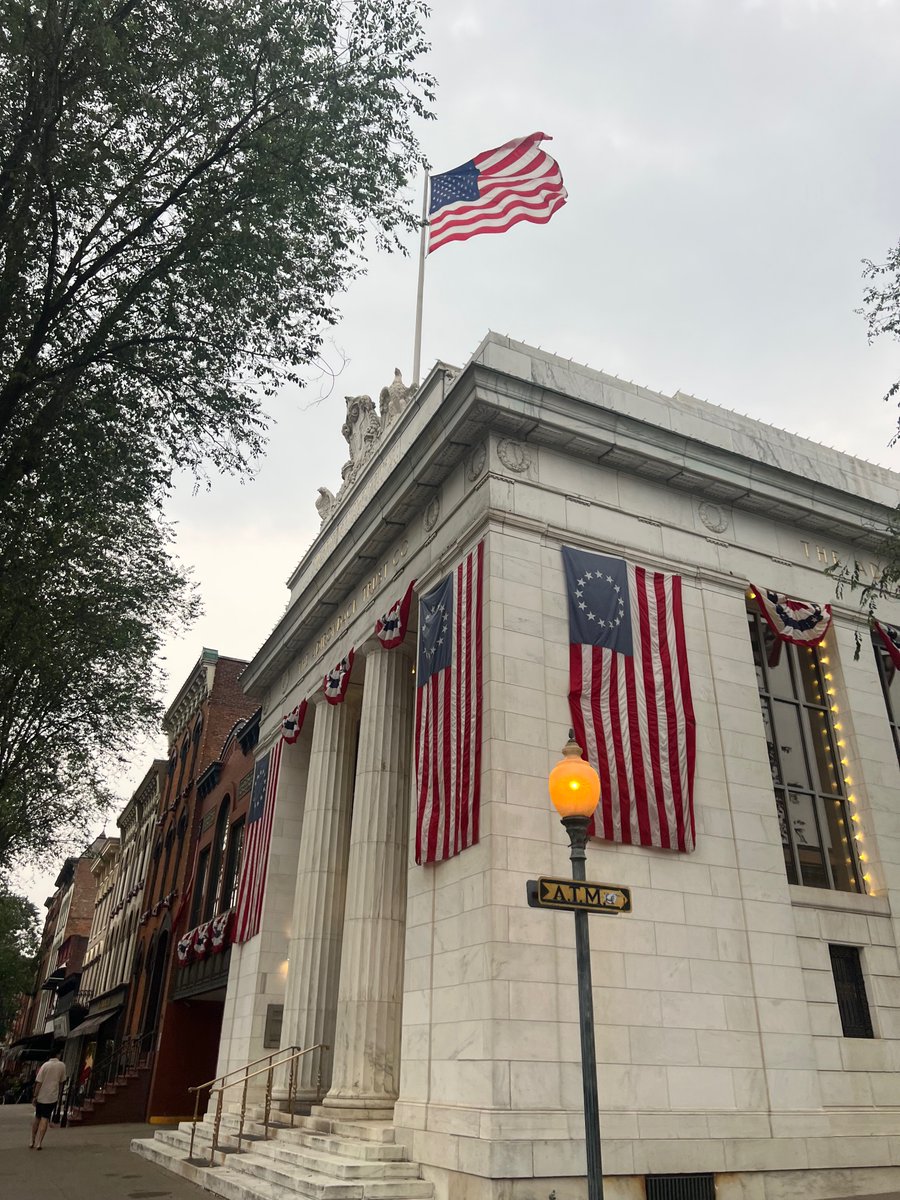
(805, 546)
(821, 554)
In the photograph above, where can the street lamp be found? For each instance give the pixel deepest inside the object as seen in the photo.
(575, 792)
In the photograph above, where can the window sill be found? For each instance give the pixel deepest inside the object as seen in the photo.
(852, 902)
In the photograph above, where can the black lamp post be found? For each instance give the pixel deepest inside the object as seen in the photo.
(575, 792)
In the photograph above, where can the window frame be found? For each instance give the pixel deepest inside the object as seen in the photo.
(815, 790)
(882, 661)
(851, 992)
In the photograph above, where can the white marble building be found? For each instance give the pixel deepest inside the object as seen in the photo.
(452, 1005)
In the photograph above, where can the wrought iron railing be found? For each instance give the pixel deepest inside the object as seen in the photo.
(245, 1074)
(128, 1055)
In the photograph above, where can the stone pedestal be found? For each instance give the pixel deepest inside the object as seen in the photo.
(315, 948)
(366, 1072)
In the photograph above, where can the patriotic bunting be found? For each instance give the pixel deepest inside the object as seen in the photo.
(292, 724)
(891, 638)
(184, 948)
(252, 885)
(338, 680)
(630, 698)
(201, 941)
(390, 628)
(219, 931)
(798, 621)
(448, 713)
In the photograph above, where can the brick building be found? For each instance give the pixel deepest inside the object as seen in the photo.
(178, 1038)
(57, 1002)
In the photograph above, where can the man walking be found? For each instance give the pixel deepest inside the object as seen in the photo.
(47, 1083)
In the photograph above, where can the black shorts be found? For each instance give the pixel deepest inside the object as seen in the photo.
(44, 1110)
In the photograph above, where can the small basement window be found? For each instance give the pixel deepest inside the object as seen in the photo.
(850, 986)
(680, 1187)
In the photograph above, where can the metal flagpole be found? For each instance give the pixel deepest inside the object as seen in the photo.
(417, 345)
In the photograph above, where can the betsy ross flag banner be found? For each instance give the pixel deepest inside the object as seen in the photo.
(630, 698)
(448, 713)
(257, 836)
(517, 181)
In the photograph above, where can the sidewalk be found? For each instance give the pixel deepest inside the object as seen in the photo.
(93, 1163)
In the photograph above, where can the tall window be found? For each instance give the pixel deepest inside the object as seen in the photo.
(806, 768)
(199, 886)
(850, 987)
(218, 859)
(232, 866)
(890, 685)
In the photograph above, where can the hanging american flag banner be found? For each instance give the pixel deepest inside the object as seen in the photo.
(799, 621)
(390, 628)
(891, 638)
(495, 190)
(448, 713)
(292, 724)
(252, 886)
(338, 680)
(630, 698)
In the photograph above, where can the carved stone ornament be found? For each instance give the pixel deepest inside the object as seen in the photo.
(393, 399)
(476, 462)
(712, 517)
(513, 455)
(432, 512)
(362, 430)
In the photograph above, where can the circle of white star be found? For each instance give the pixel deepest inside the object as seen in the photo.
(613, 622)
(441, 609)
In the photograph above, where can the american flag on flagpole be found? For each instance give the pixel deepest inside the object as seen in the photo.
(448, 713)
(257, 837)
(630, 697)
(517, 181)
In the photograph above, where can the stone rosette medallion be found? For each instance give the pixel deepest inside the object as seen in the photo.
(712, 516)
(477, 459)
(514, 456)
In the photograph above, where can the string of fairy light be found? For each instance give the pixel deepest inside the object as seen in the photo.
(816, 662)
(855, 818)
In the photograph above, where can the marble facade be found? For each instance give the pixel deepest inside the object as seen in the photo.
(447, 1002)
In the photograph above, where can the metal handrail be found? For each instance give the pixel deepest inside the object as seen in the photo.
(237, 1070)
(247, 1076)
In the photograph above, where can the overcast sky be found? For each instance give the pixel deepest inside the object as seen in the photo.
(728, 164)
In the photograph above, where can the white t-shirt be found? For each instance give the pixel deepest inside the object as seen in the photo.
(48, 1079)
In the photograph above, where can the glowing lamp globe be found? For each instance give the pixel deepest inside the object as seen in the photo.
(574, 784)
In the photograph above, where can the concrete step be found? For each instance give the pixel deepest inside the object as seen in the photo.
(285, 1166)
(333, 1165)
(300, 1134)
(292, 1179)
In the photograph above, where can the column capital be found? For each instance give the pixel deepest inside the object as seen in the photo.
(371, 646)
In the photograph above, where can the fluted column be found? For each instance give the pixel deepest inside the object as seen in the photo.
(315, 948)
(366, 1071)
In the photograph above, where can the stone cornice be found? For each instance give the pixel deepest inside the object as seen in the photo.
(193, 692)
(516, 392)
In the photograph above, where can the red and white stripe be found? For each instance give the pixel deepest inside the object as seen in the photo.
(517, 181)
(635, 719)
(448, 729)
(258, 835)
